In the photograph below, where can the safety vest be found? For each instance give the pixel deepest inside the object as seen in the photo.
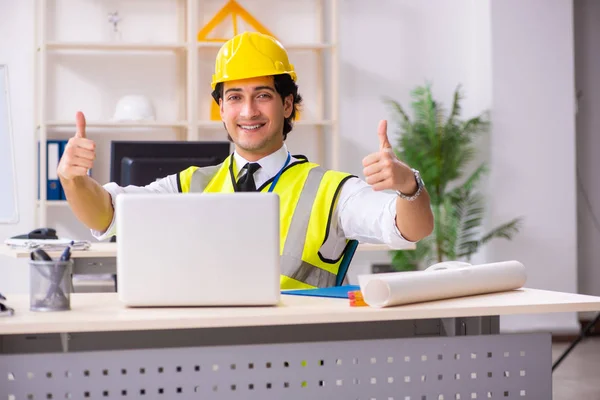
(312, 247)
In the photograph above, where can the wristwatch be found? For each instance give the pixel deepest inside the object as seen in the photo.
(420, 186)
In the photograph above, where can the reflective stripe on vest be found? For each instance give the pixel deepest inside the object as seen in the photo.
(201, 176)
(292, 264)
(313, 276)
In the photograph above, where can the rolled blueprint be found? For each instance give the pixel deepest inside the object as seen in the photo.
(440, 281)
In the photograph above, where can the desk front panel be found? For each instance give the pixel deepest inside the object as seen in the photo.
(515, 366)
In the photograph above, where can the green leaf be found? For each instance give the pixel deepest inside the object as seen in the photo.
(506, 231)
(449, 231)
(474, 178)
(475, 126)
(398, 108)
(456, 108)
(470, 211)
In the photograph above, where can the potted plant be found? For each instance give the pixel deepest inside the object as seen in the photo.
(442, 147)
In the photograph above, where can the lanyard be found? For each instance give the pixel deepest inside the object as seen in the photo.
(275, 179)
(289, 157)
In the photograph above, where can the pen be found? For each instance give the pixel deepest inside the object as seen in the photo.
(66, 254)
(40, 255)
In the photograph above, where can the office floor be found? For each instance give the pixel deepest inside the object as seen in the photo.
(577, 376)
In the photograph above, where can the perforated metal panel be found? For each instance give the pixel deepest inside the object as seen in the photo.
(439, 368)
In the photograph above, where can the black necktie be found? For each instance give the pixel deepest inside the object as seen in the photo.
(246, 183)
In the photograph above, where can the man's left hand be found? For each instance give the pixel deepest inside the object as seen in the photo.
(383, 170)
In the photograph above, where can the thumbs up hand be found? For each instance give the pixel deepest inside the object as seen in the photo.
(383, 170)
(79, 154)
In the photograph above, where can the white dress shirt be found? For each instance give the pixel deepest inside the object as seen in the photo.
(362, 213)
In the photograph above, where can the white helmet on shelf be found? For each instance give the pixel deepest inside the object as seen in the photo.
(134, 108)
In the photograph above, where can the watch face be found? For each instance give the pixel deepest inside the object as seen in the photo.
(418, 177)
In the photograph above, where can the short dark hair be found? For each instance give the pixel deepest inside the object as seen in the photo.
(284, 85)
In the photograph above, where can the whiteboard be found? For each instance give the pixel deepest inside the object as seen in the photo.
(8, 184)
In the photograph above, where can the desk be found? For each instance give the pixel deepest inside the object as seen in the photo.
(305, 348)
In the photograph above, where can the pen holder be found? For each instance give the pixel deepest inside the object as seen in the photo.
(50, 285)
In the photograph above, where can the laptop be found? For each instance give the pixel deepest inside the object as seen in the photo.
(204, 249)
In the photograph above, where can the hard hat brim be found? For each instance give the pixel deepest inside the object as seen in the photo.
(214, 83)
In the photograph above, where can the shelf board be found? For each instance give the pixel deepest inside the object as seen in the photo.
(309, 46)
(217, 124)
(55, 203)
(107, 46)
(99, 46)
(289, 47)
(111, 124)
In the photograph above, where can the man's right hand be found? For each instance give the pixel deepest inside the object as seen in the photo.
(79, 155)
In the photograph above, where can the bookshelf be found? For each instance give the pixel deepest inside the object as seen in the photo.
(189, 121)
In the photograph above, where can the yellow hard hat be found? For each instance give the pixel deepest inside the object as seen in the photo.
(249, 55)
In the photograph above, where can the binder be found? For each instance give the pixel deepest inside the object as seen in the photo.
(53, 186)
(339, 292)
(63, 145)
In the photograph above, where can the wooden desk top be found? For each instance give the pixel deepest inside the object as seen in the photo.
(103, 249)
(100, 312)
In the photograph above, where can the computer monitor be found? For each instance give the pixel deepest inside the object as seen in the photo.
(140, 163)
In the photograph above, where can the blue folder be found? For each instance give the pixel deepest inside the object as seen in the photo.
(63, 146)
(340, 292)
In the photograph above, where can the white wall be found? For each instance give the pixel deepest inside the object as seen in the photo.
(533, 145)
(587, 65)
(386, 51)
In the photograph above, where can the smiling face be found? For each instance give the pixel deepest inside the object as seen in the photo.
(253, 113)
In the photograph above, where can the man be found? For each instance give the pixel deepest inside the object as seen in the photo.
(325, 211)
